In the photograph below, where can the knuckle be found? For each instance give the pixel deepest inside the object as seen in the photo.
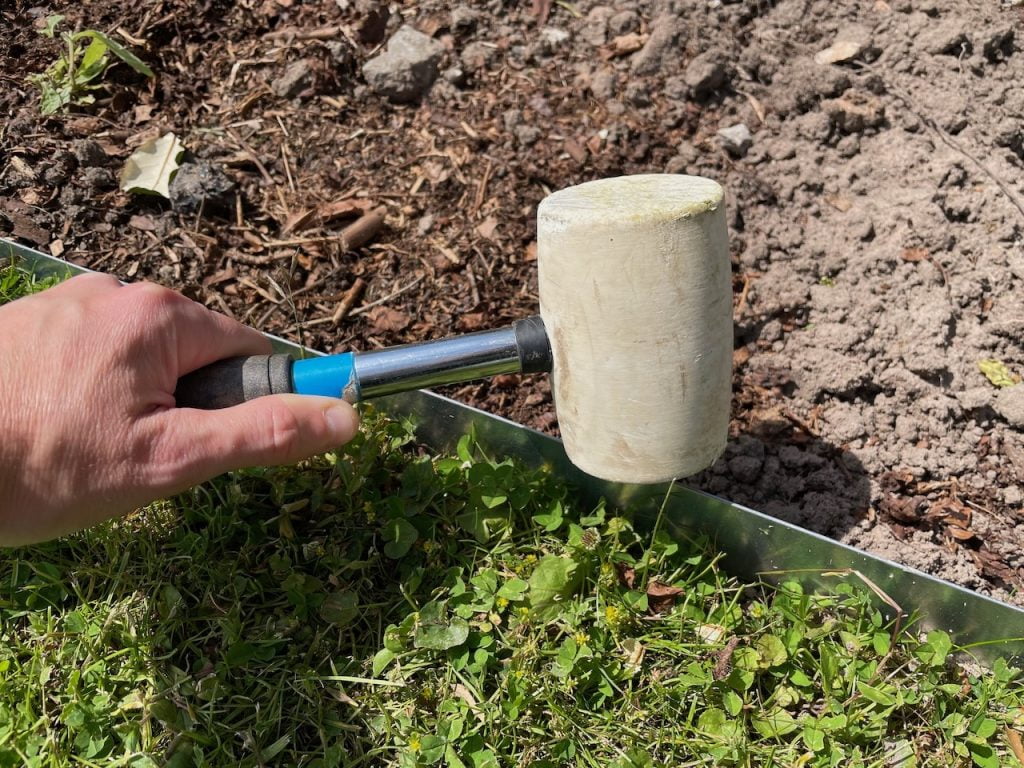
(153, 296)
(284, 432)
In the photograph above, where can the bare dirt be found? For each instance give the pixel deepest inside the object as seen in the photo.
(877, 211)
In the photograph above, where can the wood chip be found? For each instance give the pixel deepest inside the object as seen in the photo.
(487, 228)
(142, 223)
(839, 51)
(363, 229)
(840, 203)
(575, 150)
(349, 300)
(914, 254)
(623, 45)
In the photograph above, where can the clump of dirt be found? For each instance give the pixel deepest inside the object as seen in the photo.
(872, 153)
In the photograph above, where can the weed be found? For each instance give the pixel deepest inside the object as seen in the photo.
(70, 79)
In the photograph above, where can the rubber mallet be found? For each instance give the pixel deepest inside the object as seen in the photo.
(635, 325)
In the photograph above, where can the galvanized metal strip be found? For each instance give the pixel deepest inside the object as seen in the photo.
(752, 544)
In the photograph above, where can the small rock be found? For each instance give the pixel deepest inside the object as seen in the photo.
(657, 51)
(407, 68)
(527, 134)
(476, 56)
(463, 19)
(296, 78)
(851, 42)
(1009, 403)
(1013, 496)
(623, 22)
(425, 224)
(839, 51)
(705, 73)
(595, 27)
(95, 179)
(975, 398)
(848, 146)
(341, 54)
(59, 168)
(946, 37)
(552, 39)
(603, 84)
(454, 75)
(88, 153)
(201, 185)
(736, 139)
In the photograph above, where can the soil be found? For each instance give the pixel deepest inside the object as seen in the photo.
(876, 211)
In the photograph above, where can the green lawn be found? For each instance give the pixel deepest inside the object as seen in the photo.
(385, 607)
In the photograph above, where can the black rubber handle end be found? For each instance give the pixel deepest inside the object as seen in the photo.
(233, 381)
(533, 344)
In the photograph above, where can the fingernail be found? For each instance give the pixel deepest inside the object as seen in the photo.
(342, 422)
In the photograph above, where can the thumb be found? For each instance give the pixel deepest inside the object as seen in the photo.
(194, 445)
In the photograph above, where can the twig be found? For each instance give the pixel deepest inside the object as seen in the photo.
(362, 230)
(252, 156)
(472, 285)
(481, 190)
(348, 301)
(297, 33)
(287, 168)
(389, 297)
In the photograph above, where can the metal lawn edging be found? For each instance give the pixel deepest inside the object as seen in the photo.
(753, 545)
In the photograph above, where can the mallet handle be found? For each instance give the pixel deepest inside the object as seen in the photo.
(520, 348)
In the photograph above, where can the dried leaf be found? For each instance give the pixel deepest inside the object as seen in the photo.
(623, 45)
(142, 223)
(487, 227)
(661, 596)
(997, 373)
(839, 51)
(914, 254)
(711, 633)
(387, 320)
(575, 151)
(473, 321)
(723, 659)
(627, 575)
(1016, 744)
(150, 168)
(634, 651)
(961, 534)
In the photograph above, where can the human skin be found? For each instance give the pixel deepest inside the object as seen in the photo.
(88, 425)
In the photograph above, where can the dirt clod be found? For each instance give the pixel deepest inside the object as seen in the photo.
(407, 67)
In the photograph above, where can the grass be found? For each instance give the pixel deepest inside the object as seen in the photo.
(385, 607)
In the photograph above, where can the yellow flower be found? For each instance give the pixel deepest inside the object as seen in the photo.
(581, 638)
(502, 603)
(414, 744)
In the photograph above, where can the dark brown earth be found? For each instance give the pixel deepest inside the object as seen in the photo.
(877, 215)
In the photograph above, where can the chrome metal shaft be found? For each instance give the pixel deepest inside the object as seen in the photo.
(433, 363)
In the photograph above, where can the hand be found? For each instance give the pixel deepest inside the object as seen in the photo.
(88, 427)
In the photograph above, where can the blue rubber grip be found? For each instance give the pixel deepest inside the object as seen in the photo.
(331, 376)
